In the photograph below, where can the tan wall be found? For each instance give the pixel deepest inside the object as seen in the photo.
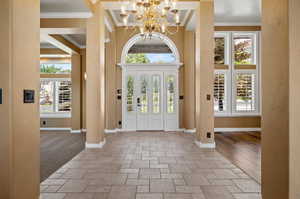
(189, 80)
(294, 99)
(83, 89)
(55, 123)
(19, 122)
(237, 122)
(275, 100)
(76, 92)
(110, 72)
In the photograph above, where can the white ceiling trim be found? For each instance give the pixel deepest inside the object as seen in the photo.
(182, 5)
(66, 14)
(63, 31)
(70, 39)
(108, 24)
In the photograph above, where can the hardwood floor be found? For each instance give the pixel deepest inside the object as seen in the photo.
(243, 150)
(56, 149)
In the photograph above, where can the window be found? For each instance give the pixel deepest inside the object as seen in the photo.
(55, 68)
(130, 87)
(170, 94)
(55, 96)
(245, 92)
(219, 50)
(243, 49)
(150, 51)
(219, 92)
(156, 93)
(236, 85)
(144, 94)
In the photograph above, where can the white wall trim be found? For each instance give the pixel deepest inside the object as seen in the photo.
(75, 131)
(55, 129)
(83, 130)
(110, 131)
(236, 129)
(189, 131)
(205, 145)
(97, 146)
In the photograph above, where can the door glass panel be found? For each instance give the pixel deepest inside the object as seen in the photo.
(144, 97)
(130, 87)
(170, 94)
(156, 93)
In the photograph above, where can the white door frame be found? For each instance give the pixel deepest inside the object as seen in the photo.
(165, 69)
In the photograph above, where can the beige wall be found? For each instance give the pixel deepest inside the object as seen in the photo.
(83, 88)
(294, 99)
(189, 80)
(275, 99)
(19, 122)
(238, 122)
(76, 92)
(110, 72)
(55, 123)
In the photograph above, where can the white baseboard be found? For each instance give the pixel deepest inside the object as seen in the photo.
(76, 131)
(236, 129)
(95, 146)
(189, 131)
(55, 129)
(205, 145)
(109, 131)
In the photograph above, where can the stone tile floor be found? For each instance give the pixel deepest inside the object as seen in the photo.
(149, 165)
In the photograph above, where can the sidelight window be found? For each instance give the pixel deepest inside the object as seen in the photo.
(170, 94)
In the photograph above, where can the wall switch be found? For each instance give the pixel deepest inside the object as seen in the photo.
(1, 96)
(28, 97)
(208, 134)
(208, 97)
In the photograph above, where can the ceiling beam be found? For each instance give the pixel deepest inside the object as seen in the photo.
(61, 43)
(52, 51)
(63, 23)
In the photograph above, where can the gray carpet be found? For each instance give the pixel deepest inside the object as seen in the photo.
(57, 148)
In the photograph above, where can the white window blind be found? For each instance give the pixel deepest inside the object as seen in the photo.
(219, 92)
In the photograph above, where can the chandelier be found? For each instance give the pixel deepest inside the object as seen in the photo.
(150, 16)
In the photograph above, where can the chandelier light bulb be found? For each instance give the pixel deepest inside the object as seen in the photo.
(123, 10)
(177, 18)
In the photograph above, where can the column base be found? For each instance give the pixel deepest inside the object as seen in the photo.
(95, 146)
(75, 131)
(205, 145)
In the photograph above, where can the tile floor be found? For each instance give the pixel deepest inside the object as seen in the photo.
(149, 165)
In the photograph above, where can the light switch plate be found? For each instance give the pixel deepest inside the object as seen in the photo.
(1, 96)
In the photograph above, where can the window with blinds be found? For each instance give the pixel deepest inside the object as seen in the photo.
(219, 92)
(237, 83)
(245, 92)
(55, 96)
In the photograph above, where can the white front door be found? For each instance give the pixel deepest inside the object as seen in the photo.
(150, 100)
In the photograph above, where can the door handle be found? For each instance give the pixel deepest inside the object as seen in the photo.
(138, 101)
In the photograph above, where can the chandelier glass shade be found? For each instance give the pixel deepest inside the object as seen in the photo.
(150, 16)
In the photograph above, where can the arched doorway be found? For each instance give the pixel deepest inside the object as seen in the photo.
(150, 84)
